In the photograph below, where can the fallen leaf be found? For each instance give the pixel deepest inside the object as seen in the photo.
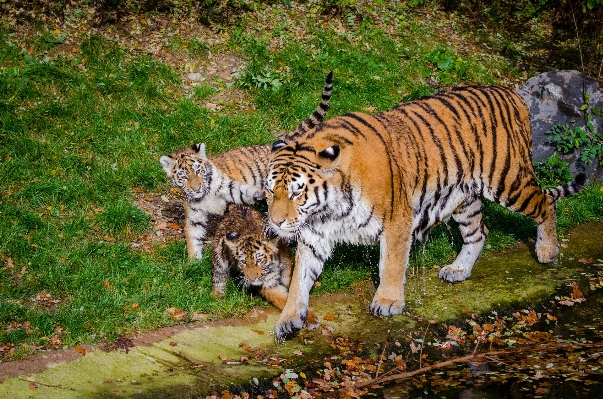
(400, 363)
(136, 306)
(79, 349)
(297, 352)
(329, 317)
(576, 293)
(173, 343)
(586, 261)
(260, 332)
(10, 265)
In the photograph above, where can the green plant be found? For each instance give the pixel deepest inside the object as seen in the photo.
(552, 171)
(263, 81)
(568, 138)
(443, 64)
(590, 4)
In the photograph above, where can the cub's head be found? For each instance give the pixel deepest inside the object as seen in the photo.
(300, 182)
(190, 170)
(256, 255)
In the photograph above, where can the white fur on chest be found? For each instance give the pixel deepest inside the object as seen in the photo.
(356, 226)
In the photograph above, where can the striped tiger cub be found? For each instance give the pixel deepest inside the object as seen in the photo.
(210, 183)
(263, 262)
(387, 178)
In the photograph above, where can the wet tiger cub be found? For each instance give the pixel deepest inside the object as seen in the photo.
(264, 262)
(210, 183)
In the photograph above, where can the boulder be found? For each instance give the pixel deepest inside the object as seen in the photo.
(555, 98)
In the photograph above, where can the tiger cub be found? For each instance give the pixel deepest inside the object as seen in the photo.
(210, 183)
(388, 178)
(264, 262)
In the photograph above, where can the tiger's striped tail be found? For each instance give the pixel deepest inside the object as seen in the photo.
(567, 189)
(318, 115)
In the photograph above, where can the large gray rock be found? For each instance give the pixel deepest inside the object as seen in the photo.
(556, 98)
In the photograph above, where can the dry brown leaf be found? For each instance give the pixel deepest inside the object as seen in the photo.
(79, 349)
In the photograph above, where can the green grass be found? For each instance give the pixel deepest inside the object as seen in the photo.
(80, 135)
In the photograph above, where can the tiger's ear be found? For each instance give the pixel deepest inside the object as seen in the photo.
(328, 159)
(168, 163)
(232, 236)
(278, 144)
(199, 148)
(331, 153)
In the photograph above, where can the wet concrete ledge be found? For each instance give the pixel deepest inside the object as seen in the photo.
(187, 361)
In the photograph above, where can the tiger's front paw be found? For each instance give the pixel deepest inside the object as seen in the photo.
(453, 274)
(382, 306)
(312, 321)
(286, 327)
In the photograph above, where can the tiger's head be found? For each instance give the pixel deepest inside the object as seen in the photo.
(257, 256)
(301, 181)
(190, 170)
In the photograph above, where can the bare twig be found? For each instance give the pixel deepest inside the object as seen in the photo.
(382, 354)
(578, 37)
(423, 344)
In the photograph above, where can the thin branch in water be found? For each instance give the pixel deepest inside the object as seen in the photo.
(382, 354)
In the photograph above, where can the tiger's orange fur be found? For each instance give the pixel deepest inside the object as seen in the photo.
(387, 178)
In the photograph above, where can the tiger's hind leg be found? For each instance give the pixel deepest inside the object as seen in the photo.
(533, 202)
(546, 217)
(474, 233)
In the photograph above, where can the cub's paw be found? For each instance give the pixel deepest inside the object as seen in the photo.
(287, 325)
(312, 321)
(259, 196)
(452, 273)
(386, 307)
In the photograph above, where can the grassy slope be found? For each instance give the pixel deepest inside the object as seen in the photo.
(80, 134)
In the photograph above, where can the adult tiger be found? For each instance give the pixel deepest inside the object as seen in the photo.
(387, 178)
(237, 176)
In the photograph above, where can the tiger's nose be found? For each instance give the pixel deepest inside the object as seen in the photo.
(277, 222)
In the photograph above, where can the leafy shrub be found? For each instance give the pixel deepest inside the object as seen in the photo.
(586, 138)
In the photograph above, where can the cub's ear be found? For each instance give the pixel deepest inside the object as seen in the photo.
(331, 153)
(232, 236)
(278, 144)
(168, 163)
(199, 148)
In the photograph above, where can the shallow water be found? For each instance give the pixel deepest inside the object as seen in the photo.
(581, 323)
